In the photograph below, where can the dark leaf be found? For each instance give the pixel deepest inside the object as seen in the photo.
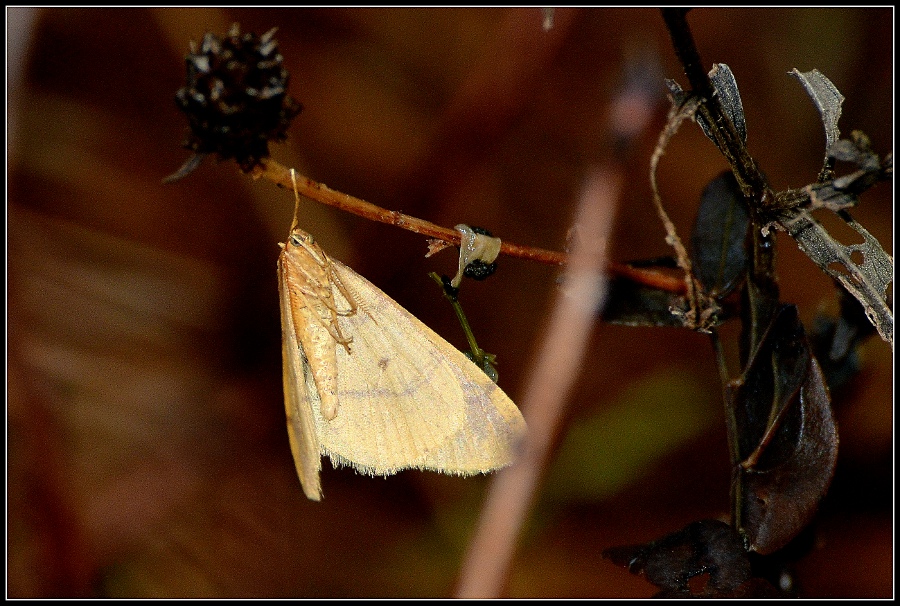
(718, 248)
(664, 262)
(834, 341)
(753, 588)
(633, 304)
(679, 562)
(786, 436)
(726, 87)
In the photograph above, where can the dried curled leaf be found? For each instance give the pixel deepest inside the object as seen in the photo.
(697, 311)
(704, 548)
(786, 436)
(726, 88)
(828, 100)
(630, 303)
(868, 281)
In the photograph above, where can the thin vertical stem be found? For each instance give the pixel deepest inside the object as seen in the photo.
(512, 491)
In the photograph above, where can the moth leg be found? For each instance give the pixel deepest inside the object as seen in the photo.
(335, 331)
(333, 328)
(349, 295)
(336, 280)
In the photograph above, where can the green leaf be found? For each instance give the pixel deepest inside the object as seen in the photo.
(646, 423)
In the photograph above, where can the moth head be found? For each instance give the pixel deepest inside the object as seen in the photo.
(301, 238)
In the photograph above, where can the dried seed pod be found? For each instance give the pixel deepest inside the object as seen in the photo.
(236, 97)
(478, 269)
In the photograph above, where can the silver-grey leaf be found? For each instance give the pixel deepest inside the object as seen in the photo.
(867, 281)
(828, 100)
(727, 90)
(726, 86)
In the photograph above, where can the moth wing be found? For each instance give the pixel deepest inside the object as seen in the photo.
(299, 390)
(408, 398)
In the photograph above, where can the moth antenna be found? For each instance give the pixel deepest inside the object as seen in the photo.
(296, 199)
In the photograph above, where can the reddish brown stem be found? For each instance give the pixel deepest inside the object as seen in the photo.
(281, 175)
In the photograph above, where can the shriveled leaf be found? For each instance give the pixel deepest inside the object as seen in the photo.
(631, 303)
(726, 87)
(868, 281)
(834, 341)
(786, 436)
(843, 192)
(725, 84)
(706, 547)
(718, 249)
(858, 150)
(827, 98)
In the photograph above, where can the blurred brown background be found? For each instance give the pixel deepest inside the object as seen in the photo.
(147, 450)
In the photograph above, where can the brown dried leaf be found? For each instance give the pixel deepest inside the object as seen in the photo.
(704, 548)
(786, 436)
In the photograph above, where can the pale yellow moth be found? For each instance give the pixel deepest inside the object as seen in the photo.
(371, 386)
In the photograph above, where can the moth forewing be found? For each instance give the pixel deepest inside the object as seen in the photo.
(409, 399)
(296, 377)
